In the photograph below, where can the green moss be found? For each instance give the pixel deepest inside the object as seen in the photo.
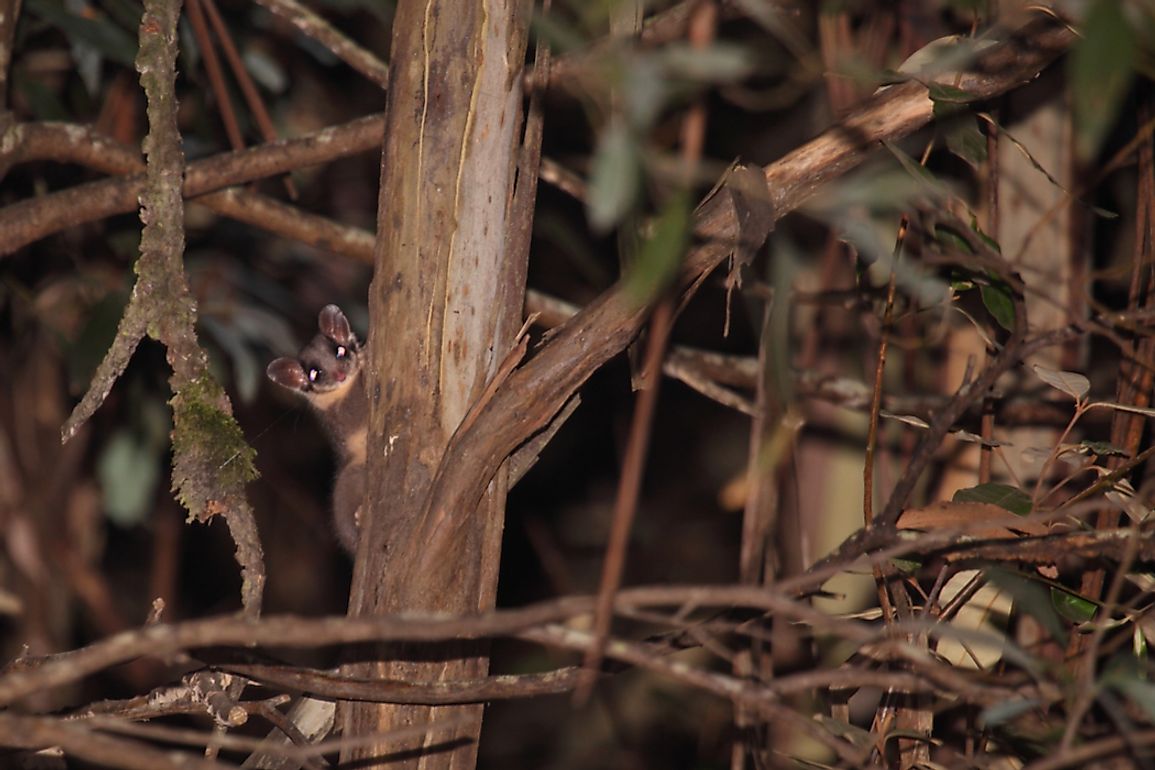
(211, 459)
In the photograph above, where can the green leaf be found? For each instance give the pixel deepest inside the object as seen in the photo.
(1004, 133)
(127, 470)
(951, 241)
(615, 177)
(966, 141)
(43, 102)
(1139, 692)
(1033, 598)
(247, 370)
(661, 252)
(562, 36)
(943, 55)
(1000, 713)
(1004, 496)
(719, 63)
(950, 102)
(267, 70)
(1104, 449)
(1124, 675)
(646, 89)
(851, 733)
(988, 240)
(906, 566)
(929, 183)
(1072, 606)
(1100, 68)
(126, 13)
(886, 189)
(99, 33)
(1073, 384)
(947, 97)
(999, 302)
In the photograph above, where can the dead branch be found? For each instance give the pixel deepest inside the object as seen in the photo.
(79, 740)
(32, 219)
(69, 143)
(330, 685)
(31, 674)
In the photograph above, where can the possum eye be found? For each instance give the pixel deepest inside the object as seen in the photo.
(342, 351)
(315, 374)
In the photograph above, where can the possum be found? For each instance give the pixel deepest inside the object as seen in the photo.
(327, 373)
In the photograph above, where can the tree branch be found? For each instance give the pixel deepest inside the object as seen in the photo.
(536, 391)
(32, 219)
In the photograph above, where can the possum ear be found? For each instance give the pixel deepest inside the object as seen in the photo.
(288, 373)
(335, 325)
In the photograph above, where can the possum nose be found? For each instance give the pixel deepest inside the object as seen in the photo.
(339, 376)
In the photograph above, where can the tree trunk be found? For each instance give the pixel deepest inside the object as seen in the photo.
(445, 304)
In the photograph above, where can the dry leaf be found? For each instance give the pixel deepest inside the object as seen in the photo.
(979, 520)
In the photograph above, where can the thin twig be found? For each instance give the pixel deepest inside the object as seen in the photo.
(1088, 691)
(245, 81)
(196, 17)
(626, 503)
(311, 25)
